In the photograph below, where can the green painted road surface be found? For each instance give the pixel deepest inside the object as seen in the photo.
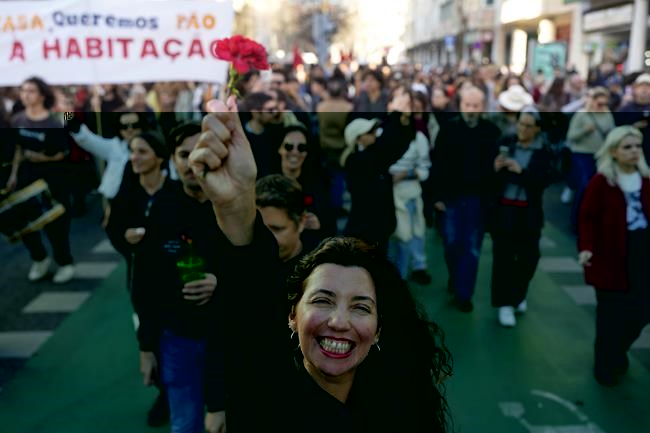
(534, 378)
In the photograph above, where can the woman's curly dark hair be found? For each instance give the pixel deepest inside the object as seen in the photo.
(44, 89)
(413, 362)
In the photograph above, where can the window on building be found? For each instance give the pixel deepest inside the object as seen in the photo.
(446, 10)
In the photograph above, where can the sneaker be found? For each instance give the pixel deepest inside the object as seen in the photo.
(421, 277)
(507, 317)
(522, 308)
(63, 274)
(39, 269)
(158, 415)
(463, 306)
(567, 195)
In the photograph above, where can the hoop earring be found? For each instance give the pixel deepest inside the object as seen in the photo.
(378, 348)
(291, 339)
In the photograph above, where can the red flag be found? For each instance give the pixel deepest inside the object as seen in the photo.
(297, 58)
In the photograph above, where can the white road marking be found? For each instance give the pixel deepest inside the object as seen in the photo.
(582, 295)
(94, 270)
(516, 410)
(57, 302)
(104, 247)
(560, 265)
(21, 344)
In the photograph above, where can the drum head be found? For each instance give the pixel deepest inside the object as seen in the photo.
(24, 194)
(34, 226)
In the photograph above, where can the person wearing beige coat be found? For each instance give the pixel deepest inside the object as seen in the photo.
(408, 238)
(586, 135)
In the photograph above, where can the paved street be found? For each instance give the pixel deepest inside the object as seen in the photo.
(31, 312)
(82, 375)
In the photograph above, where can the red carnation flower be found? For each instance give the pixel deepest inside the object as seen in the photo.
(309, 200)
(243, 53)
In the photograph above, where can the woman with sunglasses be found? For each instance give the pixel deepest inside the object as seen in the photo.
(587, 132)
(299, 162)
(113, 151)
(614, 245)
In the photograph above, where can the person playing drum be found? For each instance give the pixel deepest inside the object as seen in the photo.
(41, 146)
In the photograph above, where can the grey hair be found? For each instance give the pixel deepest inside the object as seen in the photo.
(473, 89)
(605, 161)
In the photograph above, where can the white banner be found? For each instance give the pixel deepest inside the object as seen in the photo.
(113, 41)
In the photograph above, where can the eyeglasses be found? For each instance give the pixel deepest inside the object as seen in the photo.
(302, 147)
(527, 125)
(130, 125)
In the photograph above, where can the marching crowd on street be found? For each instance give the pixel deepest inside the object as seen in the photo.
(249, 292)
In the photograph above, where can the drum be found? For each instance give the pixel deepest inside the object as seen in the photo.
(27, 211)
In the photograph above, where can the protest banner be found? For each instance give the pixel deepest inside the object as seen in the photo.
(113, 41)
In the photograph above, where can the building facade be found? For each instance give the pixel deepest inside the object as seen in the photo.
(617, 32)
(515, 33)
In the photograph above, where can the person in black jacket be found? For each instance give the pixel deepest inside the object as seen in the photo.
(167, 229)
(523, 170)
(343, 301)
(367, 160)
(462, 167)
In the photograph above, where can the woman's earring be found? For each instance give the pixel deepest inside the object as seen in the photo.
(377, 344)
(292, 326)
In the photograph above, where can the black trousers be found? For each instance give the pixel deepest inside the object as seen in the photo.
(622, 315)
(57, 232)
(516, 255)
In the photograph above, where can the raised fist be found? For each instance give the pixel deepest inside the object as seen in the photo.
(222, 160)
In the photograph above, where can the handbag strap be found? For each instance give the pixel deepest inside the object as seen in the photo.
(598, 128)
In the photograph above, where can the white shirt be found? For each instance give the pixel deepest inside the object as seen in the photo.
(630, 184)
(114, 151)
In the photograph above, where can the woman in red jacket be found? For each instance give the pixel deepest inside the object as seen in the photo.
(614, 245)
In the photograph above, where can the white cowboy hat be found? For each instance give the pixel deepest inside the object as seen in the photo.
(357, 128)
(642, 79)
(515, 98)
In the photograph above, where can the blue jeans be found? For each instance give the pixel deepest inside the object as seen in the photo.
(182, 365)
(409, 255)
(462, 233)
(583, 168)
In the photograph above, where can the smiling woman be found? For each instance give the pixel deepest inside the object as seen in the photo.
(344, 301)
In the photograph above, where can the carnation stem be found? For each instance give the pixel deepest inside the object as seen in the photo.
(234, 77)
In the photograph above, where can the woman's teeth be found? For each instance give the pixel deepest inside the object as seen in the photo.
(335, 346)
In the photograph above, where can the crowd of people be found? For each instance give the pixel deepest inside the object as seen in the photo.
(229, 220)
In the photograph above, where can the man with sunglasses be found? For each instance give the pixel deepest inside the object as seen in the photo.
(263, 131)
